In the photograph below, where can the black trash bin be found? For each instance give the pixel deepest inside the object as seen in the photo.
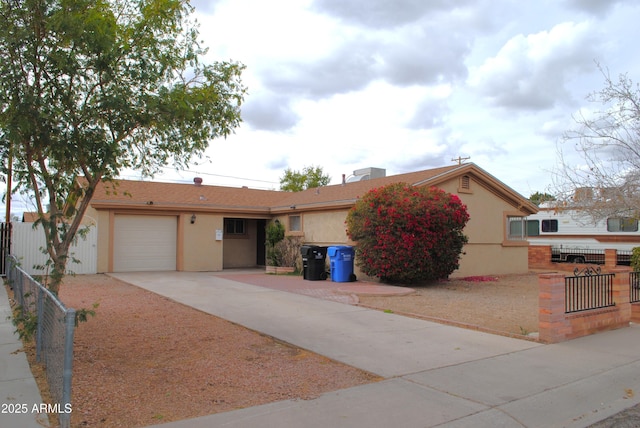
(313, 262)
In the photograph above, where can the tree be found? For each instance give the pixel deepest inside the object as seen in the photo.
(406, 234)
(606, 179)
(91, 87)
(539, 198)
(309, 177)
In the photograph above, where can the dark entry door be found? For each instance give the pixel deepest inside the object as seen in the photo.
(261, 259)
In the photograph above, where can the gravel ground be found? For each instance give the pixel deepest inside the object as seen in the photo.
(629, 418)
(506, 304)
(144, 359)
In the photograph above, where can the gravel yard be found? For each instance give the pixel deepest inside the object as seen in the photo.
(144, 359)
(506, 304)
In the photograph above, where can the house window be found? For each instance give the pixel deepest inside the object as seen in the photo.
(516, 228)
(295, 223)
(533, 227)
(549, 225)
(622, 224)
(234, 226)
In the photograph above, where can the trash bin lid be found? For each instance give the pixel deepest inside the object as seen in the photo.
(305, 250)
(333, 251)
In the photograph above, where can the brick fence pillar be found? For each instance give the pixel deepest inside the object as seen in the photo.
(621, 293)
(552, 324)
(540, 257)
(610, 259)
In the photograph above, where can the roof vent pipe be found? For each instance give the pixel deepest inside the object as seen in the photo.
(197, 181)
(344, 179)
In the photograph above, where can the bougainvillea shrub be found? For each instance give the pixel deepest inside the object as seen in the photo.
(408, 234)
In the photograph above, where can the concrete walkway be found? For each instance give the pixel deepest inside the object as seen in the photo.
(435, 375)
(18, 389)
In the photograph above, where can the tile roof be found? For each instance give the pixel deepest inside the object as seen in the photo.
(219, 198)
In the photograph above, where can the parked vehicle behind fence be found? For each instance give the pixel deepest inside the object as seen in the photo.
(576, 237)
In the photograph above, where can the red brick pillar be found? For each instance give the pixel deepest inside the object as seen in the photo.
(621, 294)
(610, 259)
(552, 323)
(539, 257)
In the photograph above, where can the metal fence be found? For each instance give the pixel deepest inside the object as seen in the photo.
(577, 255)
(634, 287)
(588, 289)
(5, 245)
(54, 334)
(623, 257)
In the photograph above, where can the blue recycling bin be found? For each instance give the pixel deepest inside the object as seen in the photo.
(341, 261)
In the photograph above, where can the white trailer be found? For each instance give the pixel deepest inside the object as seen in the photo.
(576, 237)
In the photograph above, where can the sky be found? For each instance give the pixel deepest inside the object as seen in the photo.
(407, 85)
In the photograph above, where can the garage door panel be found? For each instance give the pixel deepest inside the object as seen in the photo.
(144, 243)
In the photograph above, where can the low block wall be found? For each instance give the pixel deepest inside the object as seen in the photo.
(540, 258)
(557, 326)
(635, 313)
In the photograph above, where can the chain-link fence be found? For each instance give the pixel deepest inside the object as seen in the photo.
(54, 334)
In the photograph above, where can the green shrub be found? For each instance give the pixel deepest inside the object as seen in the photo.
(274, 234)
(635, 259)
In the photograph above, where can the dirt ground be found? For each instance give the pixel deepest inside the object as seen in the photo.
(144, 359)
(506, 304)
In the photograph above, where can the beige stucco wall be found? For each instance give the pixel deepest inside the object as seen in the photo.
(201, 252)
(325, 228)
(198, 249)
(488, 259)
(102, 219)
(240, 252)
(485, 254)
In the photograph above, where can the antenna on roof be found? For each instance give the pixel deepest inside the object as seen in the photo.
(460, 160)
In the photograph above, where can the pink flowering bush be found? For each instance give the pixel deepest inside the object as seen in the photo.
(407, 234)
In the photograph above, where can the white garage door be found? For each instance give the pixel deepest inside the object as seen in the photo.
(144, 243)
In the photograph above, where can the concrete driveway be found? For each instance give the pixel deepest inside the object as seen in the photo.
(436, 375)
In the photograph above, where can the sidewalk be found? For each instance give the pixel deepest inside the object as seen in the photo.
(435, 375)
(18, 389)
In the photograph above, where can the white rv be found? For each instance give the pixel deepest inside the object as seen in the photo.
(575, 237)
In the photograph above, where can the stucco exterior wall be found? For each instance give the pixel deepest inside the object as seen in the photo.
(240, 251)
(104, 227)
(486, 213)
(486, 252)
(325, 228)
(491, 259)
(201, 252)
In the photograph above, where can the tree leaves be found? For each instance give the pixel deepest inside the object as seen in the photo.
(309, 177)
(91, 87)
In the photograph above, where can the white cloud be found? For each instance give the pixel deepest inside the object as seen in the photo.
(410, 84)
(384, 13)
(531, 72)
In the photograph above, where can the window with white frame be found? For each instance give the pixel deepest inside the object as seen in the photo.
(516, 228)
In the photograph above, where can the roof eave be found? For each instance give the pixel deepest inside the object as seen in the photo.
(105, 205)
